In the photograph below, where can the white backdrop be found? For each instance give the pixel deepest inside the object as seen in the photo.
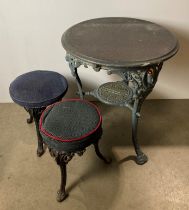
(30, 34)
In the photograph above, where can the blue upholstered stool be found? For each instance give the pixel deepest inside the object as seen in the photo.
(36, 90)
(67, 128)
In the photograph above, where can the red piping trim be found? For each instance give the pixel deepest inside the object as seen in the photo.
(74, 139)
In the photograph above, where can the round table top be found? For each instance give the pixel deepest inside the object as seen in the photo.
(119, 42)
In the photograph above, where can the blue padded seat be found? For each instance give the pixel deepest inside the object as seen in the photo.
(38, 88)
(70, 125)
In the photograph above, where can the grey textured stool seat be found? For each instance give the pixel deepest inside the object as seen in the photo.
(34, 91)
(67, 128)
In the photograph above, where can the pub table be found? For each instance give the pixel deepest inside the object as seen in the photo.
(132, 48)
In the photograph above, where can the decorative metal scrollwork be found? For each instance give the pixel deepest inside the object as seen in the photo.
(62, 156)
(141, 80)
(76, 63)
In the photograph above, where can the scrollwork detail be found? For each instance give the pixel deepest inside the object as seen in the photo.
(141, 81)
(63, 156)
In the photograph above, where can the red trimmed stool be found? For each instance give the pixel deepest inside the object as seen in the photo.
(67, 128)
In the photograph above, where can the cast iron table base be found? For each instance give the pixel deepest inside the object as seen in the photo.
(131, 92)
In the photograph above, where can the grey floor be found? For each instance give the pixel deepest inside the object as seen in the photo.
(29, 182)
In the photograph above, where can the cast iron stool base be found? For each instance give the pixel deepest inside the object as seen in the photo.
(62, 158)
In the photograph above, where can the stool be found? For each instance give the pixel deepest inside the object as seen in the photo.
(67, 128)
(34, 91)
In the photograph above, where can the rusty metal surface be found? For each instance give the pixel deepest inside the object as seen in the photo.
(119, 42)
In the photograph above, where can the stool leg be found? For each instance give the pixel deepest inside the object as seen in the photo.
(61, 194)
(62, 158)
(30, 119)
(100, 155)
(36, 116)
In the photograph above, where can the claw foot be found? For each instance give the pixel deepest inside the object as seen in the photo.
(30, 120)
(40, 152)
(141, 159)
(61, 196)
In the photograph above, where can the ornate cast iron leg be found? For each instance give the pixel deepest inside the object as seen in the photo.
(36, 115)
(100, 155)
(30, 119)
(61, 194)
(73, 64)
(62, 158)
(143, 83)
(141, 158)
(79, 84)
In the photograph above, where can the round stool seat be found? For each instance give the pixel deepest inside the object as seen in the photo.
(70, 125)
(38, 88)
